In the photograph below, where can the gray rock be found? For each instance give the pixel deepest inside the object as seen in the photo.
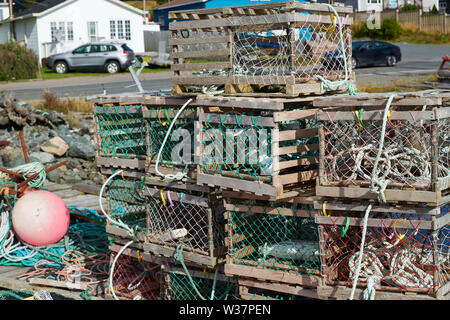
(43, 157)
(81, 149)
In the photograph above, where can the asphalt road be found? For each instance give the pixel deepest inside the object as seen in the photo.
(416, 59)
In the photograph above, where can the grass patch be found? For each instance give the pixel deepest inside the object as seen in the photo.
(68, 106)
(47, 73)
(410, 34)
(406, 84)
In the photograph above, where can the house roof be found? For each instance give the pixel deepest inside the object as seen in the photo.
(177, 3)
(47, 6)
(39, 7)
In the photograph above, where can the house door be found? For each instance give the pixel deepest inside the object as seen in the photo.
(92, 31)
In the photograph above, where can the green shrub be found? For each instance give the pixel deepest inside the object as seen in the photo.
(17, 62)
(391, 29)
(434, 10)
(409, 7)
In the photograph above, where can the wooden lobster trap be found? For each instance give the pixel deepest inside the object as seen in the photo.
(276, 49)
(197, 284)
(250, 289)
(136, 275)
(185, 225)
(414, 163)
(141, 131)
(120, 132)
(264, 152)
(272, 241)
(406, 249)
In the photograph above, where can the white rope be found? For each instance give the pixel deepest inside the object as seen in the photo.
(119, 222)
(111, 272)
(179, 175)
(379, 189)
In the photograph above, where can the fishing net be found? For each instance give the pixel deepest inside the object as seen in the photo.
(180, 144)
(120, 131)
(126, 202)
(401, 253)
(242, 146)
(280, 237)
(135, 280)
(412, 150)
(303, 51)
(208, 285)
(269, 48)
(176, 219)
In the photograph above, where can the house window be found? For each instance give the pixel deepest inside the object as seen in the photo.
(70, 31)
(53, 30)
(127, 30)
(61, 31)
(120, 29)
(92, 31)
(112, 29)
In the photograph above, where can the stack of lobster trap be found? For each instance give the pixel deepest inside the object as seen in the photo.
(249, 180)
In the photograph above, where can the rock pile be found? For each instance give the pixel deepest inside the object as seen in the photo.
(51, 144)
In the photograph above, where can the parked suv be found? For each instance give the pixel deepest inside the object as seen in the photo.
(110, 56)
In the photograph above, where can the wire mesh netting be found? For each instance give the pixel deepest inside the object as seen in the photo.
(400, 252)
(407, 159)
(210, 286)
(241, 145)
(136, 280)
(194, 221)
(126, 201)
(271, 48)
(180, 143)
(274, 237)
(305, 51)
(120, 131)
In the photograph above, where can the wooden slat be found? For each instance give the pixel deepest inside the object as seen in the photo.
(201, 54)
(343, 293)
(200, 66)
(271, 275)
(199, 80)
(198, 40)
(391, 195)
(298, 134)
(413, 116)
(275, 19)
(231, 120)
(296, 177)
(377, 223)
(236, 183)
(297, 149)
(244, 9)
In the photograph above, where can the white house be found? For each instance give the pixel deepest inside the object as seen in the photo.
(4, 9)
(55, 26)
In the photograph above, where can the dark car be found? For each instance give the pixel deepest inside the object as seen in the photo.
(365, 53)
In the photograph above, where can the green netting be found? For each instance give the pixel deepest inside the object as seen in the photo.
(180, 138)
(240, 145)
(121, 131)
(179, 287)
(276, 239)
(127, 202)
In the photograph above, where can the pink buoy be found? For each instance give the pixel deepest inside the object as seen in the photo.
(40, 218)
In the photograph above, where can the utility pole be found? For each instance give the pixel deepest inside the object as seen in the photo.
(11, 23)
(11, 13)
